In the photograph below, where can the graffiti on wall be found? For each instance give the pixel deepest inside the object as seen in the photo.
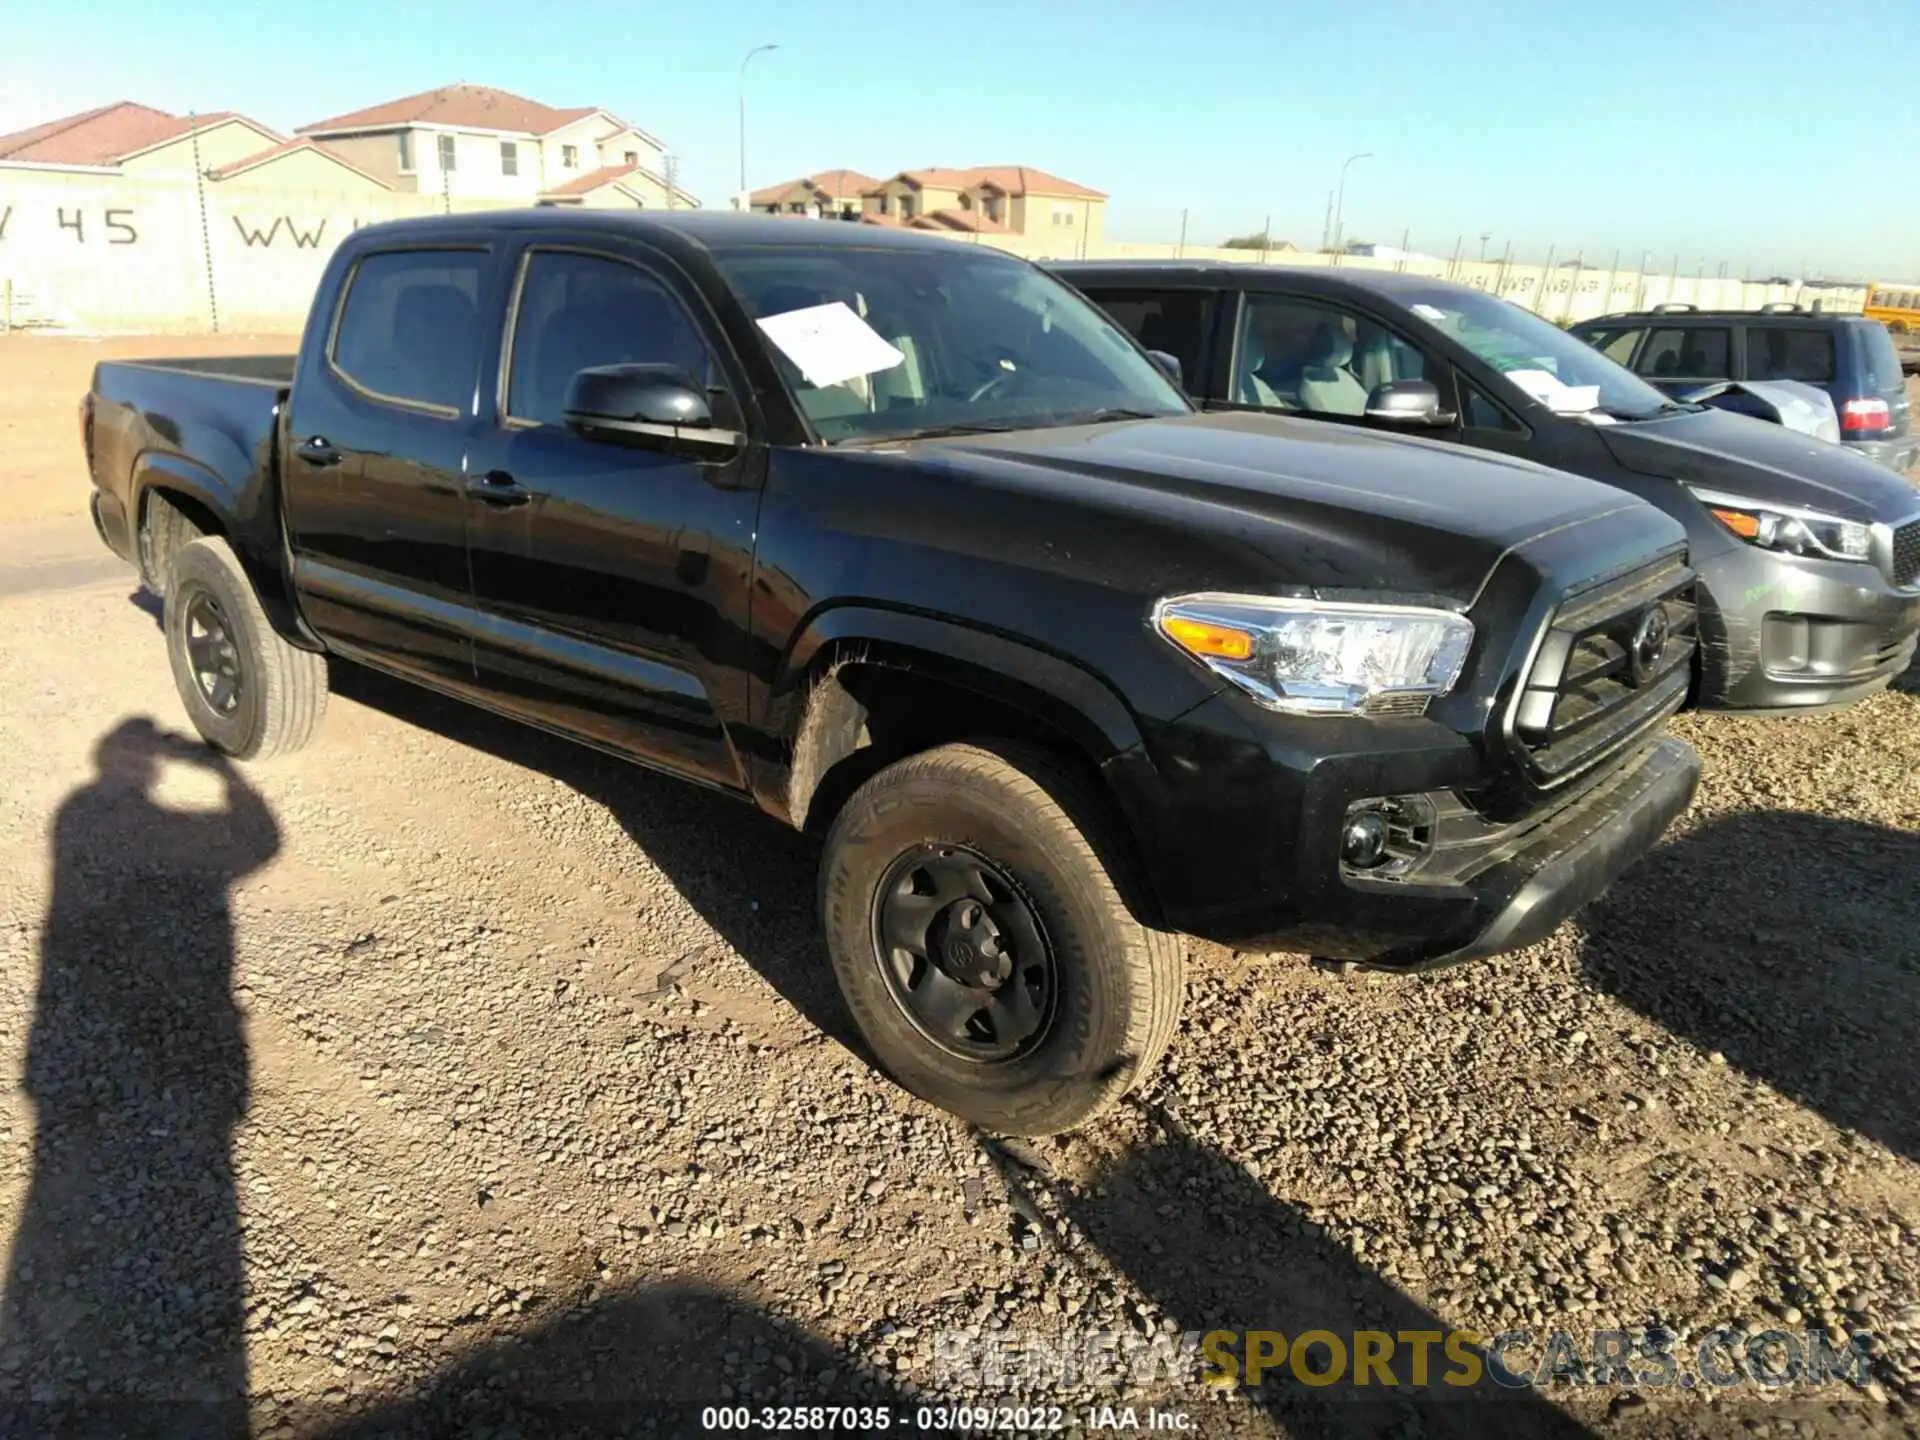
(114, 226)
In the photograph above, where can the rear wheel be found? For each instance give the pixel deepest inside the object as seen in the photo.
(248, 692)
(164, 529)
(983, 944)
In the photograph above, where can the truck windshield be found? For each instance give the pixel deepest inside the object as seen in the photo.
(1538, 358)
(878, 342)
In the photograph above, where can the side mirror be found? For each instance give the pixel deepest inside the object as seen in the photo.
(1408, 402)
(1169, 366)
(660, 407)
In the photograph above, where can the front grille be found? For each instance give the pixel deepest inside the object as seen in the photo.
(1906, 554)
(1599, 681)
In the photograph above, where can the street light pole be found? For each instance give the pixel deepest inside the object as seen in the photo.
(743, 116)
(1340, 200)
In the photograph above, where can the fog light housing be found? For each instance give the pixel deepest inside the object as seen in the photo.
(1363, 844)
(1386, 837)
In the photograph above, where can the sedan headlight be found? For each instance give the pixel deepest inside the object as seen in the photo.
(1791, 532)
(1308, 657)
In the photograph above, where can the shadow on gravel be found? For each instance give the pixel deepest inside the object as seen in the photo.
(124, 1286)
(645, 1360)
(1788, 942)
(750, 878)
(1213, 1250)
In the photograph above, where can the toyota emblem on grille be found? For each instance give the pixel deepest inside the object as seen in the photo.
(1649, 644)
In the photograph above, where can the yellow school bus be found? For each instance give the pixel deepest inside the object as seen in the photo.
(1895, 306)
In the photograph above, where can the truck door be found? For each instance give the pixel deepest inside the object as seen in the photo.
(613, 575)
(378, 429)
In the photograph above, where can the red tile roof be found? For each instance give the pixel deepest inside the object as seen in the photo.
(108, 134)
(288, 147)
(479, 107)
(834, 184)
(971, 221)
(592, 180)
(1009, 179)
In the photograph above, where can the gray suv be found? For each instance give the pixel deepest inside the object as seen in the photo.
(1679, 349)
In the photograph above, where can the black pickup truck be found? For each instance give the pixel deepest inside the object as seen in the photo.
(907, 544)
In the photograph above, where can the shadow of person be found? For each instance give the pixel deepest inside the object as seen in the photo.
(749, 877)
(1215, 1251)
(124, 1282)
(646, 1359)
(1788, 942)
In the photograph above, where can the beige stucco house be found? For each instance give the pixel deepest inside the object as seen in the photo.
(137, 141)
(831, 194)
(1067, 218)
(473, 141)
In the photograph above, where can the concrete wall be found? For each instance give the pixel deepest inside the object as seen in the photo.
(102, 254)
(99, 253)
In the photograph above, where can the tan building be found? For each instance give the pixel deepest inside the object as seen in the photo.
(832, 194)
(984, 200)
(472, 141)
(138, 141)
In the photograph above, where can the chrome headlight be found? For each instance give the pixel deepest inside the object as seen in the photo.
(1789, 531)
(1308, 657)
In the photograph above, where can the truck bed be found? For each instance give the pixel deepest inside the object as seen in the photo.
(264, 369)
(202, 428)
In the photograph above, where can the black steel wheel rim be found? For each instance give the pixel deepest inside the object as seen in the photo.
(211, 654)
(964, 954)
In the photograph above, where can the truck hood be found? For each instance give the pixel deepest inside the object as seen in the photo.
(1328, 508)
(1741, 455)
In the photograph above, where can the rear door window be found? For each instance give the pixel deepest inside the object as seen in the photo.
(1783, 352)
(1687, 353)
(409, 328)
(1176, 321)
(1617, 345)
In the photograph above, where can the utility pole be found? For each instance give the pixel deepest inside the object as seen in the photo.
(1340, 197)
(1485, 236)
(1326, 225)
(1266, 239)
(758, 49)
(671, 165)
(1181, 249)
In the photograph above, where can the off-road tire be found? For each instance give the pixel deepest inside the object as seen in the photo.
(282, 690)
(1119, 982)
(164, 531)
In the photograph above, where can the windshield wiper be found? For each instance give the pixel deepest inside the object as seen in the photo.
(1101, 417)
(1019, 422)
(967, 427)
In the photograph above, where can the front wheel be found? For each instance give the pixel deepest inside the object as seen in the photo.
(983, 945)
(248, 692)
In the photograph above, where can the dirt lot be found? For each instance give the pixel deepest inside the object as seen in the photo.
(445, 1073)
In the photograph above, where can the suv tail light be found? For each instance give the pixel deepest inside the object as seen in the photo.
(1866, 416)
(86, 428)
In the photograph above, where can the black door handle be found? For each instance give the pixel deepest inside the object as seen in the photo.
(496, 487)
(316, 450)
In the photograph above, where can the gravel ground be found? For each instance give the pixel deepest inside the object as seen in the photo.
(446, 1072)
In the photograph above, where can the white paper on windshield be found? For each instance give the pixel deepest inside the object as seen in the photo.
(1554, 393)
(830, 343)
(1429, 312)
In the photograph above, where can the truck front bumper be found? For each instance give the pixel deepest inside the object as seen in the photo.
(1570, 861)
(1254, 861)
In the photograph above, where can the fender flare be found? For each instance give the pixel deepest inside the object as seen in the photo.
(270, 573)
(1063, 696)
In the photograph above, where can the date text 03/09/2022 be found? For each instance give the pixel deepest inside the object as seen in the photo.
(939, 1419)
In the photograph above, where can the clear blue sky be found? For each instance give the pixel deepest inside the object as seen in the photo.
(1766, 134)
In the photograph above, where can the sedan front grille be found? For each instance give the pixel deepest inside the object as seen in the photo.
(1905, 568)
(1615, 662)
